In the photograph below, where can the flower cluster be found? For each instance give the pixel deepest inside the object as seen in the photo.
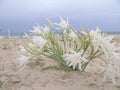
(103, 43)
(35, 47)
(71, 49)
(75, 59)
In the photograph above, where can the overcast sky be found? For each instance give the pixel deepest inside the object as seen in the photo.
(21, 15)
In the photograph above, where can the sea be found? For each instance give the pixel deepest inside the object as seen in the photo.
(21, 35)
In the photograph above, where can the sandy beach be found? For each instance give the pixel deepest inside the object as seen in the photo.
(33, 78)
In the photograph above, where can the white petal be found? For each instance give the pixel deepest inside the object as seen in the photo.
(23, 60)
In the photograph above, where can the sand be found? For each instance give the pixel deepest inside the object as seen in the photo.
(33, 78)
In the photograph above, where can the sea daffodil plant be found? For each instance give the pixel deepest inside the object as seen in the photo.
(70, 49)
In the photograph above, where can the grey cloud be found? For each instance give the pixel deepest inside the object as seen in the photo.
(83, 12)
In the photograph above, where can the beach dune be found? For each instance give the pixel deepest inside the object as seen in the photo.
(33, 78)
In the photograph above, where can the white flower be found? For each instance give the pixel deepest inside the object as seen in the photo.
(63, 24)
(73, 35)
(45, 30)
(36, 45)
(101, 42)
(104, 44)
(32, 47)
(22, 61)
(84, 33)
(96, 39)
(96, 33)
(112, 69)
(39, 41)
(75, 59)
(116, 61)
(110, 73)
(36, 30)
(23, 50)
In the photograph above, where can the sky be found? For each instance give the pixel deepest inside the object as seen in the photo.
(21, 15)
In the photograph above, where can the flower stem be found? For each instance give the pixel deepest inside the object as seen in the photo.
(90, 59)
